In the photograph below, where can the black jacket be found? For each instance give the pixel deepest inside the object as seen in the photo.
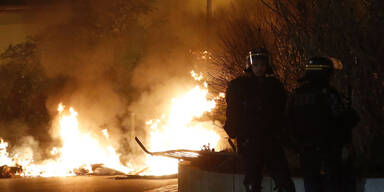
(316, 115)
(255, 107)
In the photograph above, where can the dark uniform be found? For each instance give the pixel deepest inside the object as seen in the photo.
(255, 107)
(320, 124)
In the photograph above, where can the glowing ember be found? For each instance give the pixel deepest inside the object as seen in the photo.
(105, 133)
(197, 77)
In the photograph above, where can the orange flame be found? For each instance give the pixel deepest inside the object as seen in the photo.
(81, 149)
(180, 130)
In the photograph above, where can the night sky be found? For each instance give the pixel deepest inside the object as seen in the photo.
(12, 26)
(21, 2)
(12, 2)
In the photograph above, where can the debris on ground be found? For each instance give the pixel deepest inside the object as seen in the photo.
(207, 159)
(10, 171)
(97, 170)
(169, 188)
(172, 176)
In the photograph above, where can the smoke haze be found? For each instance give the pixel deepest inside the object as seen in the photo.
(111, 61)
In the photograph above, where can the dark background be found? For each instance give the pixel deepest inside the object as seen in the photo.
(21, 2)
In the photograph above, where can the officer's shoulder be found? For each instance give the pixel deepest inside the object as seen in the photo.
(238, 80)
(273, 80)
(332, 91)
(303, 88)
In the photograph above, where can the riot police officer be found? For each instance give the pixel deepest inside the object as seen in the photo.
(255, 108)
(321, 125)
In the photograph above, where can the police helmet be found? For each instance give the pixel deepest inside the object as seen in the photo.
(258, 54)
(319, 64)
(318, 68)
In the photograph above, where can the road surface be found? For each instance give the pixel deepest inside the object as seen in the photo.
(87, 184)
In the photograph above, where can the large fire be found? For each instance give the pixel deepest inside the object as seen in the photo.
(81, 149)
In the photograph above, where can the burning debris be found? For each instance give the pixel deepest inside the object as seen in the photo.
(207, 158)
(97, 169)
(7, 168)
(91, 153)
(182, 129)
(80, 153)
(10, 172)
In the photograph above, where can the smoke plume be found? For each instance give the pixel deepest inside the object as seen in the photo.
(117, 63)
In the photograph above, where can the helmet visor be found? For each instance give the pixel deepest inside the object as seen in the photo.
(317, 67)
(253, 57)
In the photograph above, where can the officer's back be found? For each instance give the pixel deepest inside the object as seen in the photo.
(312, 116)
(261, 102)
